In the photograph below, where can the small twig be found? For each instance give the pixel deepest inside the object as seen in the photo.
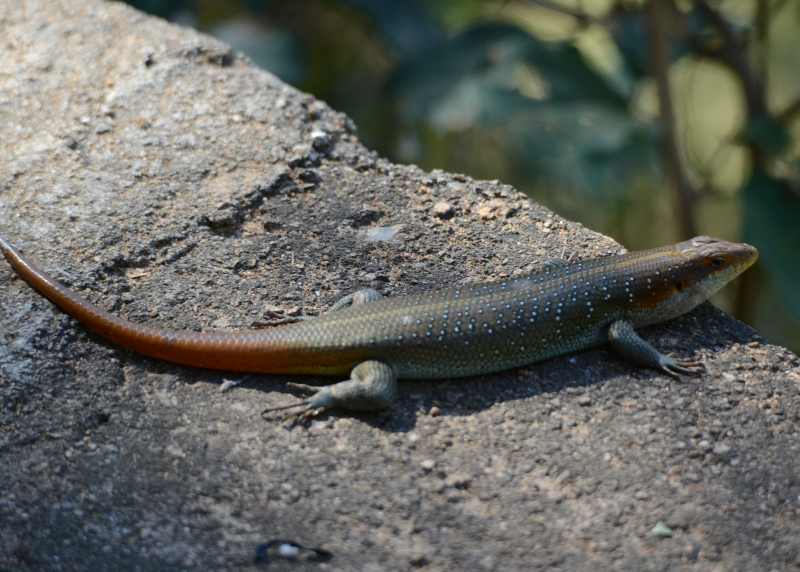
(762, 33)
(734, 55)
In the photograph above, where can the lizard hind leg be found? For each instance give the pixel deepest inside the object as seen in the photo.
(372, 387)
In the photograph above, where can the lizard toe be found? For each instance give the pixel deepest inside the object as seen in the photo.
(675, 367)
(302, 388)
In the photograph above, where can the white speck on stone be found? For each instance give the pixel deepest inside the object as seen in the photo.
(721, 449)
(661, 530)
(288, 551)
(229, 384)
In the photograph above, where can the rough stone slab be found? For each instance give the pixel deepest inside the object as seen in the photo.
(165, 178)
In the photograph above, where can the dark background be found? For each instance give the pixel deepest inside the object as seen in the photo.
(649, 122)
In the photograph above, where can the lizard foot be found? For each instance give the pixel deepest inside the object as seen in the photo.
(625, 341)
(674, 367)
(306, 412)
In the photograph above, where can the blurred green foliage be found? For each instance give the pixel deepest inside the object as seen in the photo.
(560, 98)
(771, 221)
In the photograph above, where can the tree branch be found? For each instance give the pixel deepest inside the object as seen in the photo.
(733, 53)
(790, 111)
(762, 33)
(583, 17)
(659, 13)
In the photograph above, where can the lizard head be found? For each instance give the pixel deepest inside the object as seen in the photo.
(708, 264)
(686, 274)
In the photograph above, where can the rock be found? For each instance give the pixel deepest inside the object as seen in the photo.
(220, 191)
(102, 127)
(494, 209)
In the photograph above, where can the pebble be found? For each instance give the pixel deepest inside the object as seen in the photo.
(428, 464)
(458, 481)
(495, 208)
(382, 233)
(443, 210)
(661, 530)
(320, 140)
(721, 449)
(229, 384)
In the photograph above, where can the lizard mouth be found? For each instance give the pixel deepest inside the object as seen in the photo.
(748, 256)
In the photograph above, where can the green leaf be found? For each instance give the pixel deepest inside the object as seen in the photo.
(768, 134)
(630, 35)
(585, 147)
(772, 224)
(564, 124)
(629, 31)
(405, 25)
(487, 67)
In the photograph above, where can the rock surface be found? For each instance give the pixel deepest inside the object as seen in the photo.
(169, 181)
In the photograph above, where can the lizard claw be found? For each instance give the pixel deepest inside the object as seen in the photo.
(674, 367)
(306, 412)
(300, 404)
(306, 409)
(302, 417)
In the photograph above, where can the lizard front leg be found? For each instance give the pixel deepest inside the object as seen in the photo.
(626, 342)
(363, 296)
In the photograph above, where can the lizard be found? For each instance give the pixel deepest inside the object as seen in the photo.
(460, 331)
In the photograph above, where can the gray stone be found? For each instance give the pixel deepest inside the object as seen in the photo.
(219, 190)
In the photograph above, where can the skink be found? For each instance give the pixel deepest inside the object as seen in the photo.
(455, 332)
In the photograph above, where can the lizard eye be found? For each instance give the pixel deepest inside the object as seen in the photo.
(717, 262)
